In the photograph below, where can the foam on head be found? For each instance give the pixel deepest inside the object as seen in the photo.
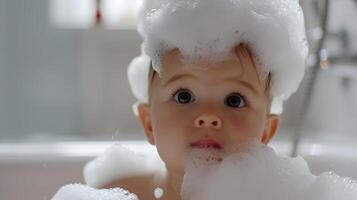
(242, 52)
(210, 29)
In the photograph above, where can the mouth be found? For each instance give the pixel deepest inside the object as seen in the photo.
(206, 144)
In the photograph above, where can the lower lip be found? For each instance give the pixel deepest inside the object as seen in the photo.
(206, 146)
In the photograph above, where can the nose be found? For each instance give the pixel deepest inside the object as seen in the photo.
(208, 121)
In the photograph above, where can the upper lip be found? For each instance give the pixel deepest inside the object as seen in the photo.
(206, 142)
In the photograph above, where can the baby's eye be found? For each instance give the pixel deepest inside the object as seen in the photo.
(235, 101)
(183, 96)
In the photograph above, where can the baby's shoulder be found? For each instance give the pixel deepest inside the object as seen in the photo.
(141, 185)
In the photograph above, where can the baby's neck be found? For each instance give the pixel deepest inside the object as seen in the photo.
(171, 183)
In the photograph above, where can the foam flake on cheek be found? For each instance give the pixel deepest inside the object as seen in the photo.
(158, 193)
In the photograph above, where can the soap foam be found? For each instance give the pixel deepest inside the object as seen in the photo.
(256, 172)
(273, 29)
(119, 162)
(260, 174)
(84, 192)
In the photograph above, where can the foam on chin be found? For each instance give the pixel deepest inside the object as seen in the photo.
(199, 163)
(260, 174)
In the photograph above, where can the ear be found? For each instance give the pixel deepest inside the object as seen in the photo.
(271, 127)
(145, 119)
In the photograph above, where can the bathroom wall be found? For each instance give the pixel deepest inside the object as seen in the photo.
(41, 73)
(107, 99)
(4, 68)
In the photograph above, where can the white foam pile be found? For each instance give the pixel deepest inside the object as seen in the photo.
(119, 162)
(257, 173)
(210, 29)
(83, 192)
(260, 174)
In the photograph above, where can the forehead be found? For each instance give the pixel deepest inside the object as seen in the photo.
(241, 65)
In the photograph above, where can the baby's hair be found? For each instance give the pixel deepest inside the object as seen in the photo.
(152, 73)
(242, 48)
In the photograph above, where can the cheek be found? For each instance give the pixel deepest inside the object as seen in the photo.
(169, 133)
(169, 125)
(164, 118)
(247, 125)
(171, 115)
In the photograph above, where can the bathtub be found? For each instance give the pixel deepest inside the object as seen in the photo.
(35, 171)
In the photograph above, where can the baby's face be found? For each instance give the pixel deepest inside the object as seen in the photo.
(226, 103)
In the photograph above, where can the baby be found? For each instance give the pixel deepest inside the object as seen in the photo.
(211, 85)
(222, 106)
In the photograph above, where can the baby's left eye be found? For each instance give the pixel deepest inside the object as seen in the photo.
(235, 101)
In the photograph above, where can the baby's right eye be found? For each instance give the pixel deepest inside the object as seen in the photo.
(183, 96)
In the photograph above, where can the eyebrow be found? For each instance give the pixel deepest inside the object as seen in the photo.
(245, 84)
(178, 76)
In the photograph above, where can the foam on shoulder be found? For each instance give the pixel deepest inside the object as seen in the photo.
(119, 162)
